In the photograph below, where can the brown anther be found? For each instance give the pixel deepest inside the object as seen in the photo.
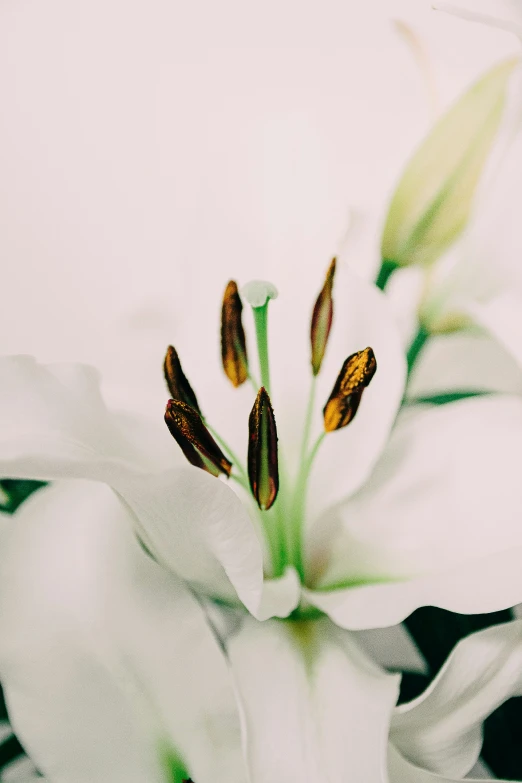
(356, 374)
(179, 387)
(322, 317)
(233, 342)
(262, 452)
(197, 444)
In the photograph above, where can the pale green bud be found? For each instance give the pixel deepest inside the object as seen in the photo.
(432, 202)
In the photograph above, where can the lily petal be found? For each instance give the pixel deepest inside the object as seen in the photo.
(280, 596)
(21, 771)
(402, 771)
(315, 707)
(54, 424)
(441, 730)
(105, 657)
(437, 524)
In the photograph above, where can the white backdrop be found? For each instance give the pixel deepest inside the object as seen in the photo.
(151, 149)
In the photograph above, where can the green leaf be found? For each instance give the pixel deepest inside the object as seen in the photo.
(432, 202)
(13, 492)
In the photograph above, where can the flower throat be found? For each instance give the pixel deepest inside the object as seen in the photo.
(281, 507)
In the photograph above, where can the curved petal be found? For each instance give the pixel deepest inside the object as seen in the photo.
(54, 424)
(21, 771)
(280, 596)
(402, 771)
(437, 524)
(441, 730)
(105, 657)
(314, 706)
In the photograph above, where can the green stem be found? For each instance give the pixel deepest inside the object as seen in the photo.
(298, 509)
(272, 526)
(388, 267)
(417, 346)
(308, 417)
(261, 322)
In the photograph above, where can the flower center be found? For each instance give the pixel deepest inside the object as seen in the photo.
(281, 506)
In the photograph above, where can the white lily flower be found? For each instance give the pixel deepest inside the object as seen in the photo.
(365, 549)
(111, 668)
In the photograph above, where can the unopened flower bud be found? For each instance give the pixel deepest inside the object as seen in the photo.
(433, 200)
(322, 317)
(197, 444)
(179, 387)
(356, 374)
(233, 343)
(262, 452)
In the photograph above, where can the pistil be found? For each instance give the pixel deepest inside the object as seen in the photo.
(258, 294)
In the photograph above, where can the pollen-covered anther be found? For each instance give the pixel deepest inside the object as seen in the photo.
(197, 444)
(356, 374)
(233, 342)
(177, 382)
(263, 470)
(322, 317)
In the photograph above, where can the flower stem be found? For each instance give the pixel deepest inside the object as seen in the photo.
(261, 323)
(295, 553)
(308, 417)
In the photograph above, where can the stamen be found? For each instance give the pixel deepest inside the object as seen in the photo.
(197, 444)
(356, 374)
(179, 387)
(322, 317)
(233, 343)
(263, 470)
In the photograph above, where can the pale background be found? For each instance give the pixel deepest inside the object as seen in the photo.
(151, 149)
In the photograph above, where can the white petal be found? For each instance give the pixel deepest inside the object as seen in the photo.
(198, 527)
(315, 707)
(280, 596)
(53, 424)
(437, 524)
(21, 771)
(402, 771)
(441, 730)
(104, 654)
